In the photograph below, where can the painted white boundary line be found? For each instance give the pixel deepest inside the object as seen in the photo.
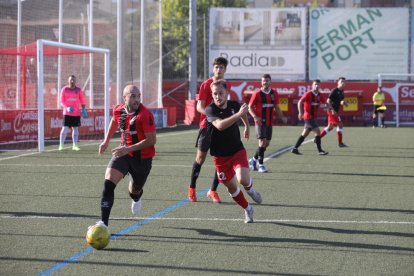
(314, 221)
(89, 144)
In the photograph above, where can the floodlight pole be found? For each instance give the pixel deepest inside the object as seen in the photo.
(192, 74)
(59, 72)
(90, 23)
(19, 57)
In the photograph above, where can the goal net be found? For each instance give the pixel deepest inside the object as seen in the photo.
(31, 120)
(402, 95)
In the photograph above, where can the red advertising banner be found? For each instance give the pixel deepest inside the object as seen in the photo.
(21, 125)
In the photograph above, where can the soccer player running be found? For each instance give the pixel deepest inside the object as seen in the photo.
(334, 101)
(227, 150)
(308, 109)
(71, 97)
(135, 153)
(261, 106)
(203, 139)
(379, 108)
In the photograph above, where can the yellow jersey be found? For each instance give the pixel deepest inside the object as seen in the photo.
(378, 98)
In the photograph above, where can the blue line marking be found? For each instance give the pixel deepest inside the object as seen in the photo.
(131, 228)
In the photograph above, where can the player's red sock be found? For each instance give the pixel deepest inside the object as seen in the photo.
(339, 136)
(323, 133)
(239, 198)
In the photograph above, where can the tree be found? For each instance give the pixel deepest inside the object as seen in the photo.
(175, 16)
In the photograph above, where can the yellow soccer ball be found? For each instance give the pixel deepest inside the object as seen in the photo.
(98, 236)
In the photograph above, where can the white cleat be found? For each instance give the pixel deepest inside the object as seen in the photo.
(136, 207)
(248, 212)
(256, 196)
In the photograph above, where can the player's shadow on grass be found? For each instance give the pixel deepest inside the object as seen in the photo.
(223, 237)
(343, 231)
(410, 212)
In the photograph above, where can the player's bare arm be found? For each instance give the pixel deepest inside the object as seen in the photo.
(222, 124)
(256, 118)
(300, 107)
(201, 107)
(245, 121)
(150, 140)
(113, 126)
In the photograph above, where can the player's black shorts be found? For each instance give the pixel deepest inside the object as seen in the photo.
(378, 111)
(311, 124)
(137, 168)
(203, 139)
(71, 121)
(264, 132)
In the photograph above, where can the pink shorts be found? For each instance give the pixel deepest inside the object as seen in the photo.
(226, 165)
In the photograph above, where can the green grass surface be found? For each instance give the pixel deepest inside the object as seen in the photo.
(348, 213)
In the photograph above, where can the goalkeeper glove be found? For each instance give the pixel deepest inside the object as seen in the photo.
(84, 113)
(69, 109)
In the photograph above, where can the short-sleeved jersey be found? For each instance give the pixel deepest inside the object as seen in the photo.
(226, 142)
(133, 127)
(263, 104)
(311, 103)
(336, 96)
(204, 94)
(73, 98)
(378, 98)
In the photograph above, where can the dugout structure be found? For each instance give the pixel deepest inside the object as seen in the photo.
(28, 69)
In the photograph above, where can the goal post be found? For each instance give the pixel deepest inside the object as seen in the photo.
(41, 43)
(402, 94)
(30, 77)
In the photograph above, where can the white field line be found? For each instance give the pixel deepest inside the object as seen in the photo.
(89, 144)
(312, 221)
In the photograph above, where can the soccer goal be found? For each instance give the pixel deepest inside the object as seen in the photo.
(403, 96)
(31, 119)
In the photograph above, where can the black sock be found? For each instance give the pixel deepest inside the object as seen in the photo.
(299, 142)
(194, 174)
(261, 154)
(256, 155)
(383, 121)
(318, 143)
(136, 197)
(215, 182)
(107, 200)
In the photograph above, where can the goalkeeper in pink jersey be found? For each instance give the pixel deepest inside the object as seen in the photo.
(71, 98)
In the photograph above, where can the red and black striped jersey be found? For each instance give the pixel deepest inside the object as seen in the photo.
(133, 127)
(263, 104)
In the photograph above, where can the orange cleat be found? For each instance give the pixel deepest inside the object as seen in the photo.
(214, 196)
(192, 194)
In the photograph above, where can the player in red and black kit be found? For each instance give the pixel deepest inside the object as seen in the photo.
(203, 139)
(335, 100)
(261, 106)
(309, 103)
(229, 154)
(133, 156)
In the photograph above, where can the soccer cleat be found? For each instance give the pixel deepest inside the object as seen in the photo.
(253, 164)
(248, 213)
(262, 168)
(295, 151)
(323, 152)
(136, 207)
(214, 196)
(383, 126)
(192, 194)
(342, 145)
(60, 147)
(75, 148)
(255, 195)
